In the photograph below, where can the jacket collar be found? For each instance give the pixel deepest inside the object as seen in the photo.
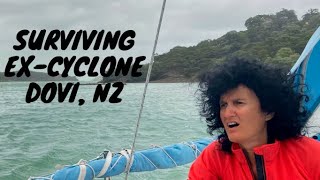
(268, 151)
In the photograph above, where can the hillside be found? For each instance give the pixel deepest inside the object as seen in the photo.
(275, 38)
(35, 76)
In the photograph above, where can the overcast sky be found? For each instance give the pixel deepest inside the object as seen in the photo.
(185, 22)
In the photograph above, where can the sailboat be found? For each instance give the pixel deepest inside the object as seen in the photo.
(109, 164)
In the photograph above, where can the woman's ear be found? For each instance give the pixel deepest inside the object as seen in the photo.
(269, 116)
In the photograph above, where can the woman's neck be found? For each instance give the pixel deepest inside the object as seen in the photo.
(248, 149)
(253, 142)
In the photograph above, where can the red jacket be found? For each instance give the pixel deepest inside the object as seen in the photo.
(294, 159)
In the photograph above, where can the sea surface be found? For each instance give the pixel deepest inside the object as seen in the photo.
(36, 138)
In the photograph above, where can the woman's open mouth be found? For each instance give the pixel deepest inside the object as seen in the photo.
(232, 124)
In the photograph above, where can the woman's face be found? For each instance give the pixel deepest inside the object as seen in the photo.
(242, 117)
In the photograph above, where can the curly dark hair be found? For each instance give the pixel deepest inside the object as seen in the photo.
(272, 84)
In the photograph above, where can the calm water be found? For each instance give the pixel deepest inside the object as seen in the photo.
(36, 137)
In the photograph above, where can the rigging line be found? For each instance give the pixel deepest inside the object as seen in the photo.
(146, 85)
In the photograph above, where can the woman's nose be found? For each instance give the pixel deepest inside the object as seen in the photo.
(228, 111)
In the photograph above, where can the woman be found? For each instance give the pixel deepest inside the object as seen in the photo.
(257, 112)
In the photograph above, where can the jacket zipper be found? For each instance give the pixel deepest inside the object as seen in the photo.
(261, 171)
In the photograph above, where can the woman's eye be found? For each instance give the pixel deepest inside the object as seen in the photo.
(239, 102)
(223, 105)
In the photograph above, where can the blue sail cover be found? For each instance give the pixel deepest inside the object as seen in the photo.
(308, 64)
(145, 160)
